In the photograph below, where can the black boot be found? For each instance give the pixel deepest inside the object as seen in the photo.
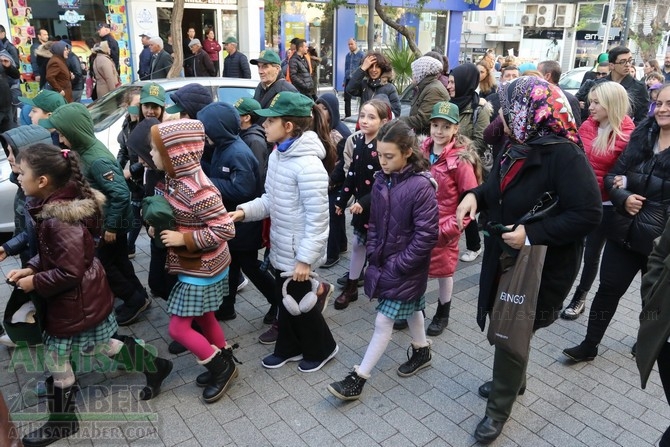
(203, 379)
(348, 389)
(348, 295)
(576, 306)
(420, 359)
(222, 370)
(440, 320)
(226, 311)
(137, 358)
(62, 421)
(583, 352)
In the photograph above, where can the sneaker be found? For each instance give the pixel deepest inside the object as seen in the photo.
(576, 307)
(421, 358)
(342, 280)
(348, 389)
(323, 297)
(126, 315)
(308, 366)
(470, 255)
(244, 281)
(270, 336)
(5, 340)
(330, 262)
(274, 361)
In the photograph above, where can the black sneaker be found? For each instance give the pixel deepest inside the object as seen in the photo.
(126, 315)
(271, 316)
(348, 389)
(330, 262)
(583, 352)
(420, 359)
(342, 280)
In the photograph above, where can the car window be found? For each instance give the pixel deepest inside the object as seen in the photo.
(408, 94)
(230, 95)
(107, 110)
(572, 81)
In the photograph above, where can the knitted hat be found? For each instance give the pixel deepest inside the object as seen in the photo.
(181, 144)
(425, 66)
(47, 100)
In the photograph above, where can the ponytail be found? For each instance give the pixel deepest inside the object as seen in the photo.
(321, 125)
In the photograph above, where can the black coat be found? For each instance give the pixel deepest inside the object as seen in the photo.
(201, 65)
(265, 95)
(161, 63)
(553, 164)
(637, 94)
(300, 75)
(113, 50)
(236, 65)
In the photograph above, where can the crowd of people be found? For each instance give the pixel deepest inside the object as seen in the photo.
(278, 172)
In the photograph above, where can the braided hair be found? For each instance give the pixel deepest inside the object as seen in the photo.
(399, 133)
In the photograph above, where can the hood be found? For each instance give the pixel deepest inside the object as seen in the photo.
(58, 48)
(44, 50)
(180, 144)
(6, 54)
(193, 98)
(68, 205)
(307, 144)
(139, 140)
(222, 123)
(333, 105)
(255, 129)
(24, 136)
(74, 122)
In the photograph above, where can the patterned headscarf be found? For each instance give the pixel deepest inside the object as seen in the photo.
(534, 108)
(425, 66)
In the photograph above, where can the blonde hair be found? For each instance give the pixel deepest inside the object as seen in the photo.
(614, 99)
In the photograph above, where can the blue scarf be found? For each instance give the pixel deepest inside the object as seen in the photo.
(284, 145)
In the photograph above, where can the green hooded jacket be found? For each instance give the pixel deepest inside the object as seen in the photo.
(98, 164)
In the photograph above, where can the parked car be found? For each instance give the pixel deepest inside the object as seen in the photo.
(571, 80)
(7, 193)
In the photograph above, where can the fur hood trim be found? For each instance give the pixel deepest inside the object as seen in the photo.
(44, 50)
(73, 211)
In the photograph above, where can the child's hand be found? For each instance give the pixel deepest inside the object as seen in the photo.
(110, 237)
(16, 274)
(172, 238)
(3, 254)
(301, 271)
(237, 215)
(151, 231)
(27, 284)
(356, 208)
(338, 210)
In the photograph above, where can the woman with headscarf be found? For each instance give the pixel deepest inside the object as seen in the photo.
(104, 70)
(372, 78)
(57, 73)
(544, 144)
(425, 73)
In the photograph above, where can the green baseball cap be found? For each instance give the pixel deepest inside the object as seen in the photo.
(174, 108)
(47, 100)
(246, 106)
(288, 104)
(152, 94)
(266, 57)
(231, 39)
(446, 111)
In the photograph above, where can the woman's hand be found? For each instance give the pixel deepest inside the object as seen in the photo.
(368, 62)
(356, 208)
(172, 238)
(515, 239)
(338, 210)
(237, 215)
(634, 204)
(301, 271)
(618, 182)
(16, 274)
(467, 207)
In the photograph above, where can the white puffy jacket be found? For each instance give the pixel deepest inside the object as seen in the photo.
(296, 200)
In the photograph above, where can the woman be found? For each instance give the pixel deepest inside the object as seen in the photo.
(651, 66)
(57, 73)
(212, 48)
(372, 78)
(639, 188)
(543, 140)
(104, 70)
(605, 135)
(444, 75)
(487, 81)
(429, 91)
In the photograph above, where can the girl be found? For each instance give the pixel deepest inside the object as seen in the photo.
(605, 135)
(487, 81)
(197, 251)
(454, 161)
(296, 200)
(67, 275)
(402, 232)
(358, 182)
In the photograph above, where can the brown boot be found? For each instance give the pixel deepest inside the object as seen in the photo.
(348, 295)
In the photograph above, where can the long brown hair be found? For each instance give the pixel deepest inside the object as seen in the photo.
(320, 124)
(403, 136)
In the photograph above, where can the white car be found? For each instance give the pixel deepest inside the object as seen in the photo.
(571, 80)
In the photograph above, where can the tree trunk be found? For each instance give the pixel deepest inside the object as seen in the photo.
(177, 43)
(409, 35)
(371, 25)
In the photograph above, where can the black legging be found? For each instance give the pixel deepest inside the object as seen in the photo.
(595, 242)
(472, 239)
(120, 272)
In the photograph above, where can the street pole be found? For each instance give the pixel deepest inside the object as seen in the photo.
(608, 28)
(626, 20)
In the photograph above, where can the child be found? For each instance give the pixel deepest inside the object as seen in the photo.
(42, 106)
(358, 182)
(197, 251)
(453, 158)
(403, 230)
(296, 200)
(67, 275)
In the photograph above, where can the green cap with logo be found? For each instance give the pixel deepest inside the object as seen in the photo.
(47, 100)
(152, 94)
(446, 111)
(231, 39)
(246, 106)
(288, 104)
(266, 57)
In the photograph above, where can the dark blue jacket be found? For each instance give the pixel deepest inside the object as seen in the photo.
(233, 169)
(145, 64)
(236, 65)
(352, 62)
(193, 98)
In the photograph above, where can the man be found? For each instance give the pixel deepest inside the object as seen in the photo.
(105, 33)
(269, 69)
(39, 63)
(353, 60)
(620, 60)
(235, 65)
(188, 55)
(298, 67)
(8, 74)
(161, 62)
(509, 73)
(551, 70)
(201, 64)
(8, 46)
(76, 74)
(144, 71)
(666, 67)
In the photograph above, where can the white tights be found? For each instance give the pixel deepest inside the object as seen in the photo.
(446, 289)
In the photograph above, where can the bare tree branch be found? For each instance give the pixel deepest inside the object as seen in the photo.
(409, 35)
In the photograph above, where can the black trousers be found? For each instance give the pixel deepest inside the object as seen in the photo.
(347, 99)
(337, 237)
(473, 241)
(120, 272)
(307, 334)
(617, 270)
(509, 376)
(160, 281)
(247, 262)
(136, 225)
(595, 242)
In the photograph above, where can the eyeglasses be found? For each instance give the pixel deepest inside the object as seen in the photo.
(630, 61)
(601, 74)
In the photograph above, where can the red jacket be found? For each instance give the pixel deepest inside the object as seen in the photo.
(454, 173)
(212, 48)
(602, 163)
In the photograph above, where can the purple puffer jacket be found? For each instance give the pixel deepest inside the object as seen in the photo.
(402, 232)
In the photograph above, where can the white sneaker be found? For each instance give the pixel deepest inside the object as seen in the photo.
(243, 283)
(5, 340)
(470, 255)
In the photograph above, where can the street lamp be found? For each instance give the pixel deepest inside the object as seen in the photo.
(466, 37)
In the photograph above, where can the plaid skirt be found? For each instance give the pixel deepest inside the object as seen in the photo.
(361, 236)
(189, 300)
(398, 310)
(84, 340)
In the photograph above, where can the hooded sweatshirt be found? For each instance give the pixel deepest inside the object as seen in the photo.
(98, 164)
(199, 212)
(193, 98)
(233, 169)
(339, 133)
(254, 137)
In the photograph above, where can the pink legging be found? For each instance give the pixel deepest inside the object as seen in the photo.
(199, 344)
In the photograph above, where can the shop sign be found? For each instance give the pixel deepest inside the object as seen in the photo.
(477, 50)
(71, 18)
(145, 19)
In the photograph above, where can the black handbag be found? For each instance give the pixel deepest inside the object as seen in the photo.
(546, 206)
(23, 332)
